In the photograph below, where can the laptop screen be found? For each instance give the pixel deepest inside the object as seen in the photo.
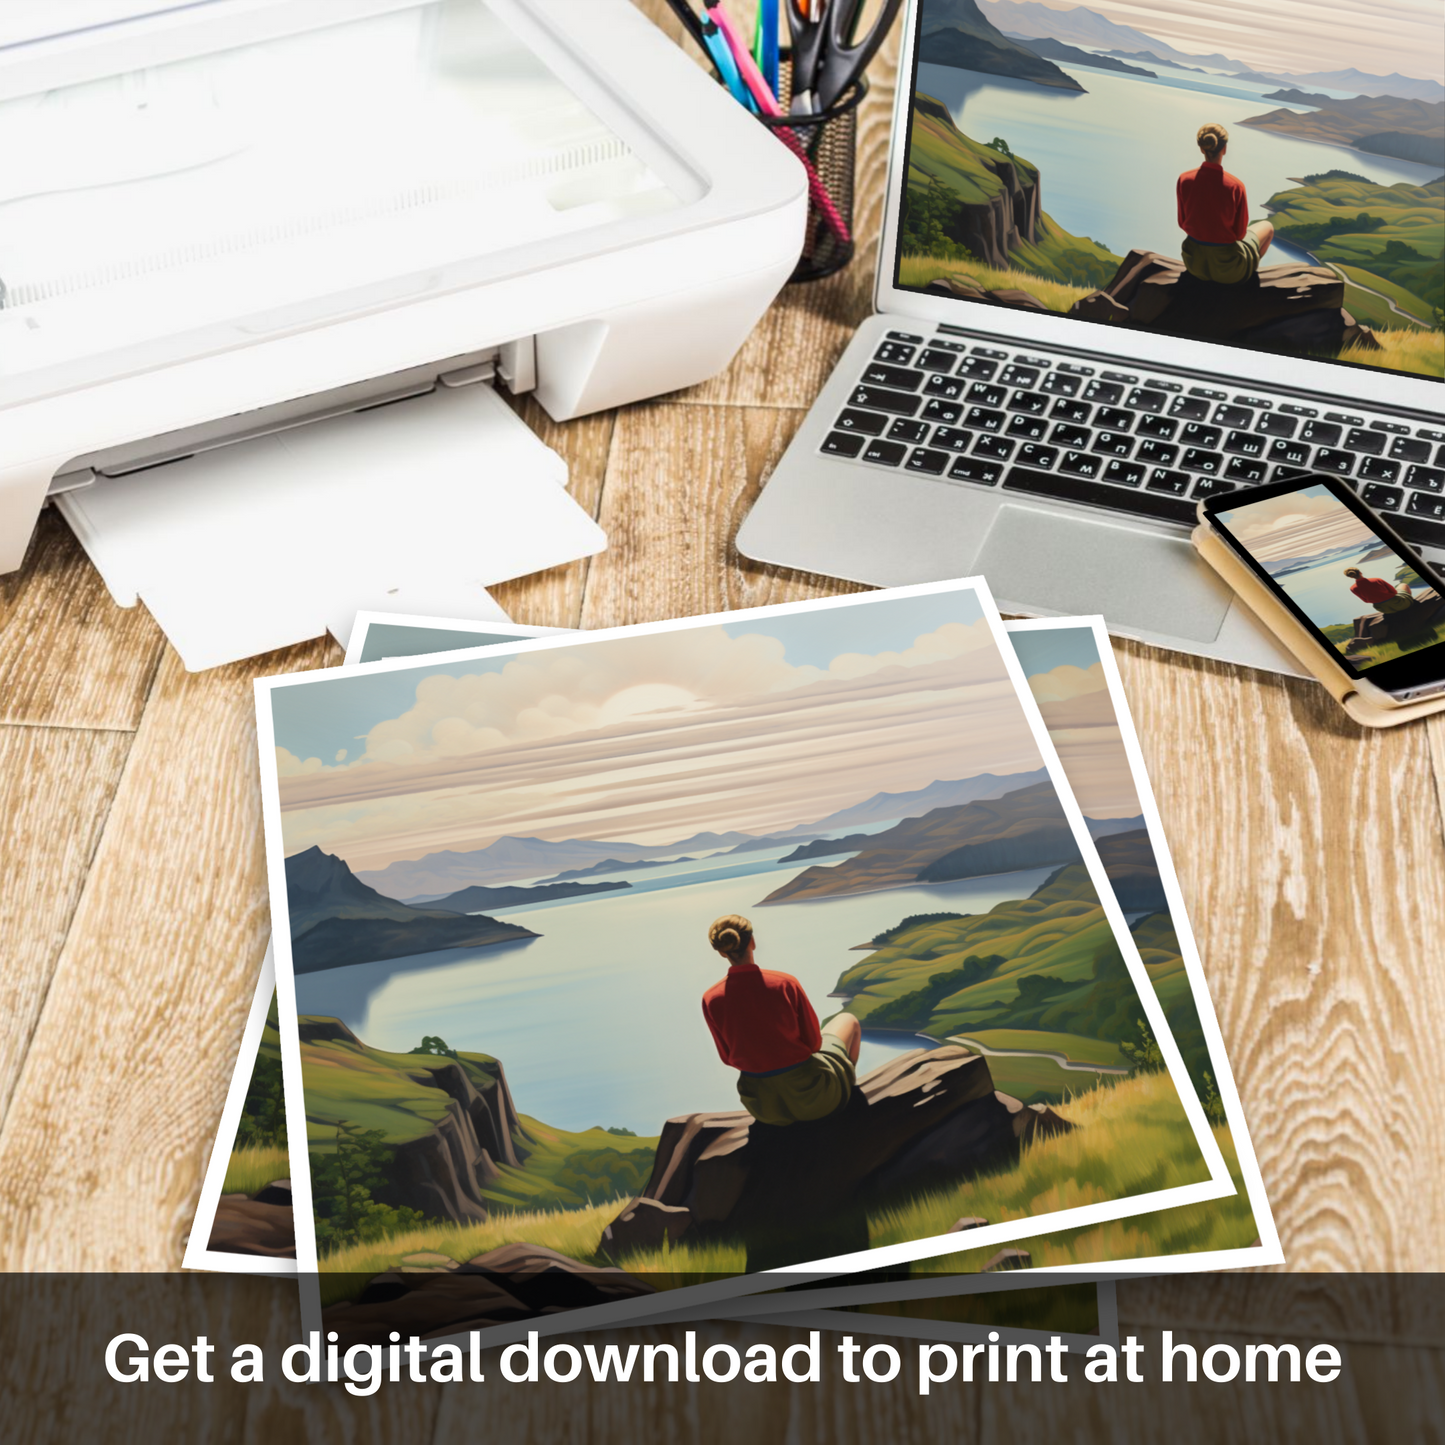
(1195, 168)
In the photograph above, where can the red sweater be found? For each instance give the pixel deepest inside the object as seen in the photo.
(761, 1021)
(1373, 589)
(1212, 204)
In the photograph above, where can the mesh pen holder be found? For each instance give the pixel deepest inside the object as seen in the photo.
(827, 142)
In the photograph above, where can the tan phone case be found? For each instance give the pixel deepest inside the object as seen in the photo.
(1298, 640)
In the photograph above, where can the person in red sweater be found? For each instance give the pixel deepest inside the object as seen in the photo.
(789, 1069)
(1220, 243)
(1377, 592)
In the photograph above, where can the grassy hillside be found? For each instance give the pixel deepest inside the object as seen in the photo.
(1394, 233)
(920, 269)
(566, 1170)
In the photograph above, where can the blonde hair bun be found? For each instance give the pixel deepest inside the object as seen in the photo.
(730, 935)
(1211, 138)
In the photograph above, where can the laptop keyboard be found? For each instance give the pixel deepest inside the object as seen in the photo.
(1139, 444)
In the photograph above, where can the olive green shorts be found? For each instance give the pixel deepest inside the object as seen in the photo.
(1226, 265)
(817, 1087)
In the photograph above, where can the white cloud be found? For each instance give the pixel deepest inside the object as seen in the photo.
(1067, 681)
(288, 765)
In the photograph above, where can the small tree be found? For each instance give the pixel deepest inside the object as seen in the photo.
(263, 1116)
(998, 143)
(342, 1182)
(431, 1044)
(1144, 1057)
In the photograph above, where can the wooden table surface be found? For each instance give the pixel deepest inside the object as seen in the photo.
(134, 914)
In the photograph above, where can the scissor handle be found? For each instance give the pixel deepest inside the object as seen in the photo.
(843, 60)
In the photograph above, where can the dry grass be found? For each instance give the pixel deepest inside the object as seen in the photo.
(920, 270)
(1422, 352)
(250, 1170)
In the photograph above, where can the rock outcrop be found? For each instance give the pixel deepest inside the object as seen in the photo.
(960, 288)
(261, 1225)
(442, 1297)
(1291, 307)
(1373, 627)
(926, 1120)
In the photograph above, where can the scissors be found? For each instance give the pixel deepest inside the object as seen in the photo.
(827, 55)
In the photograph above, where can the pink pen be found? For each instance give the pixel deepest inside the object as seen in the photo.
(768, 105)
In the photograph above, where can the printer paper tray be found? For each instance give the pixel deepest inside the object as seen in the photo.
(417, 506)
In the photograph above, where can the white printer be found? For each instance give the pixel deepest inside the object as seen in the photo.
(231, 230)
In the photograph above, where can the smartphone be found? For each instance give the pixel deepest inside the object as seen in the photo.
(1374, 605)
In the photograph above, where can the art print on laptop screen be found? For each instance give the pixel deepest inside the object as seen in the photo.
(1189, 167)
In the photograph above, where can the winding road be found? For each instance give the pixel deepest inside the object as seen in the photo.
(1060, 1059)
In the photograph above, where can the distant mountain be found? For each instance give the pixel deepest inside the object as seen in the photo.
(1024, 829)
(336, 920)
(1409, 130)
(1133, 871)
(1299, 97)
(614, 865)
(1103, 827)
(1404, 86)
(471, 900)
(1081, 26)
(1147, 57)
(508, 859)
(1052, 49)
(955, 33)
(945, 793)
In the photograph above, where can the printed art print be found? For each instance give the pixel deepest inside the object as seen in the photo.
(499, 873)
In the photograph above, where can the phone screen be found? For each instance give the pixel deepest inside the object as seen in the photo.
(1367, 597)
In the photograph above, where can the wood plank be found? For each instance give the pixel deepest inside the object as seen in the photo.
(554, 598)
(56, 786)
(116, 1105)
(72, 658)
(680, 481)
(1315, 883)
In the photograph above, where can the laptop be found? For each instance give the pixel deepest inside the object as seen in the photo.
(1045, 392)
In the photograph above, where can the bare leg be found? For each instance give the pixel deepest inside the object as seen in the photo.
(1265, 231)
(847, 1028)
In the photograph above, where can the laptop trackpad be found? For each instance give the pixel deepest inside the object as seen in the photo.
(1072, 565)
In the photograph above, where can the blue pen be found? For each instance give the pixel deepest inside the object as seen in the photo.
(768, 50)
(727, 67)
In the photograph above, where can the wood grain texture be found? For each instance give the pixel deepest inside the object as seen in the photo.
(70, 657)
(679, 483)
(116, 1104)
(56, 786)
(1311, 859)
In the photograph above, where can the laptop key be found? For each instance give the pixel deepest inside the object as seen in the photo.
(1406, 449)
(1162, 427)
(1426, 479)
(1112, 444)
(1075, 411)
(1245, 444)
(905, 336)
(982, 419)
(1032, 455)
(1424, 505)
(1272, 424)
(1144, 398)
(1195, 435)
(1161, 479)
(997, 448)
(1331, 459)
(1371, 443)
(1344, 417)
(1081, 464)
(932, 359)
(895, 353)
(867, 422)
(949, 387)
(1244, 469)
(1106, 391)
(877, 374)
(1015, 375)
(1034, 403)
(1113, 418)
(886, 454)
(978, 368)
(1322, 433)
(944, 411)
(1235, 416)
(843, 444)
(1060, 383)
(1068, 436)
(1378, 469)
(1289, 453)
(925, 460)
(1210, 487)
(1030, 427)
(1124, 474)
(878, 398)
(953, 438)
(1196, 459)
(1382, 499)
(1072, 488)
(1189, 408)
(1418, 530)
(907, 430)
(984, 395)
(1159, 454)
(971, 469)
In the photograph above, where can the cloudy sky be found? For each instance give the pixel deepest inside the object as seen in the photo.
(754, 725)
(1298, 524)
(1067, 680)
(1297, 36)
